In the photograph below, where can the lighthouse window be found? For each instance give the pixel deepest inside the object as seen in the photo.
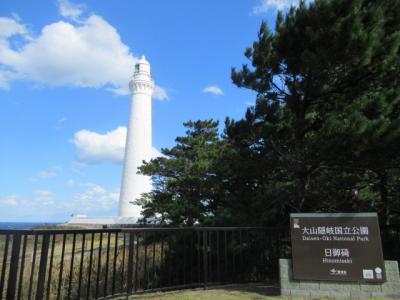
(137, 68)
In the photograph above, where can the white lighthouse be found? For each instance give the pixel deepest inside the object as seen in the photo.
(138, 141)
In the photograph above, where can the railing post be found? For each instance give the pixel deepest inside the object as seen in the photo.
(12, 277)
(130, 264)
(205, 258)
(42, 267)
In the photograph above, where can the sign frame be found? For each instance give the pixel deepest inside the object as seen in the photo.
(341, 247)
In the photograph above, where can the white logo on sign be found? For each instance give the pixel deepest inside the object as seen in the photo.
(378, 272)
(368, 274)
(296, 223)
(338, 272)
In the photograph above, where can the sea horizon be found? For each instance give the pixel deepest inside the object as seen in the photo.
(25, 225)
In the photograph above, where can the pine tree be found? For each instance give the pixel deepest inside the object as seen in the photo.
(328, 99)
(185, 184)
(324, 134)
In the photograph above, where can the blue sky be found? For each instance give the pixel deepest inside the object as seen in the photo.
(64, 102)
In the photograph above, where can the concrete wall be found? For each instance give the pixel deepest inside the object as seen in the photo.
(289, 287)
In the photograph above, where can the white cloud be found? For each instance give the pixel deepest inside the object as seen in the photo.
(155, 153)
(70, 183)
(61, 120)
(60, 123)
(43, 197)
(9, 200)
(46, 174)
(93, 147)
(5, 77)
(10, 27)
(70, 10)
(160, 93)
(213, 89)
(264, 6)
(93, 198)
(88, 53)
(43, 204)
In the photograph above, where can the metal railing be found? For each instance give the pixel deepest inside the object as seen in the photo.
(390, 236)
(98, 263)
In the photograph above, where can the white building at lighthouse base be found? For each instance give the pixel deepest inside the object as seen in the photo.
(100, 221)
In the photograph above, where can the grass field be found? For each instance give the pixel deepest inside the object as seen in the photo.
(231, 292)
(206, 295)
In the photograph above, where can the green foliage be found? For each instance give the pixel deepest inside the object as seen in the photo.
(327, 109)
(185, 178)
(324, 134)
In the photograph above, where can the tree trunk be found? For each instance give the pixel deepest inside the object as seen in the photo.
(385, 211)
(305, 188)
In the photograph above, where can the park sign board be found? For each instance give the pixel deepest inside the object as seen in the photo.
(337, 247)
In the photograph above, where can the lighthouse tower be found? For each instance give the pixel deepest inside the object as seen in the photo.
(138, 141)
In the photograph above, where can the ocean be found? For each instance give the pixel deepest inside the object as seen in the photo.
(23, 225)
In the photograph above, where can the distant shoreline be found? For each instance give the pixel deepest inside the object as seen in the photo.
(25, 225)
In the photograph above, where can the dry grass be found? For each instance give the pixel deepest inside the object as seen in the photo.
(74, 279)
